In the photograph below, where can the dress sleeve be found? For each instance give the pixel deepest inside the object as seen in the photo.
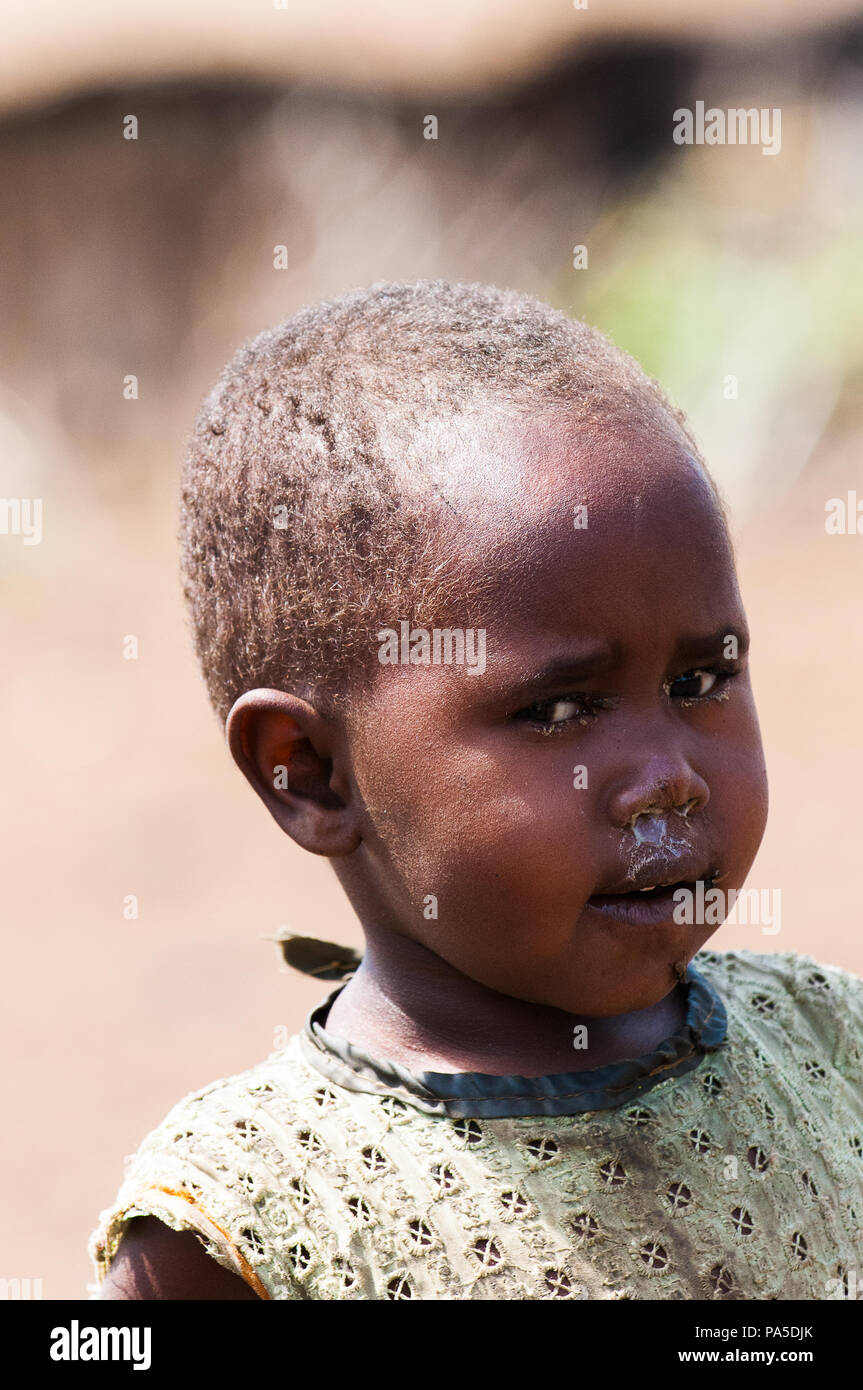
(847, 1024)
(204, 1169)
(829, 1003)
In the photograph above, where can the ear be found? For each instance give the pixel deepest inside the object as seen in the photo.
(297, 762)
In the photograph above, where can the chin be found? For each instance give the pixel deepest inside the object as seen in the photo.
(646, 985)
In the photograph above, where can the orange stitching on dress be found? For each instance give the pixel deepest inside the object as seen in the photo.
(246, 1270)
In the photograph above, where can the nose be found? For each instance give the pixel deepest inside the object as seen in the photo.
(661, 785)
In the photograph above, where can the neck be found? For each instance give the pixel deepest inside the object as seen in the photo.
(407, 1005)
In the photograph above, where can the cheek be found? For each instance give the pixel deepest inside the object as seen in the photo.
(493, 838)
(738, 785)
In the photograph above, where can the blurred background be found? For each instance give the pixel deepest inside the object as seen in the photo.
(733, 276)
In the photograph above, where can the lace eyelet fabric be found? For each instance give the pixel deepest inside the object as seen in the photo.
(728, 1164)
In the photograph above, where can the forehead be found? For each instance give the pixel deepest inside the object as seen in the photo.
(535, 465)
(582, 524)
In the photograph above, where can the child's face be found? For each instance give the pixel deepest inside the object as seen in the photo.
(470, 782)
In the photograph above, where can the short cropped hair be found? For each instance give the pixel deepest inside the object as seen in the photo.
(307, 523)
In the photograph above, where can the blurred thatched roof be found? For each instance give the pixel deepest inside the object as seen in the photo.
(55, 49)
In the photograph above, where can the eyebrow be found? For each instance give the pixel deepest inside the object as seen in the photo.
(603, 656)
(580, 663)
(703, 645)
(574, 665)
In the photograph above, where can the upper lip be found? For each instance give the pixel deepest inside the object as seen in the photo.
(683, 870)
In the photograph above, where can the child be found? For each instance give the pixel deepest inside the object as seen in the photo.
(463, 590)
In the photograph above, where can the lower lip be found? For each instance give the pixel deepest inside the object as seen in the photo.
(639, 909)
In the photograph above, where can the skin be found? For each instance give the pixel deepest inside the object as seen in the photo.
(460, 785)
(440, 785)
(154, 1263)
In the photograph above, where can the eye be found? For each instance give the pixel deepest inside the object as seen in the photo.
(550, 716)
(696, 684)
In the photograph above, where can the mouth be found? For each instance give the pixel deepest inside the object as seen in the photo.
(649, 903)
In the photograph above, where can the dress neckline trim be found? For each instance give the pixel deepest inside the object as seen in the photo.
(482, 1094)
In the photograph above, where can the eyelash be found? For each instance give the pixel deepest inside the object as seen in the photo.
(590, 705)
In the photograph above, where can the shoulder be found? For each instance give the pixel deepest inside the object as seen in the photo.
(283, 1079)
(223, 1127)
(809, 1000)
(785, 971)
(196, 1193)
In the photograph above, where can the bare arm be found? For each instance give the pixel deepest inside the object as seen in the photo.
(154, 1262)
